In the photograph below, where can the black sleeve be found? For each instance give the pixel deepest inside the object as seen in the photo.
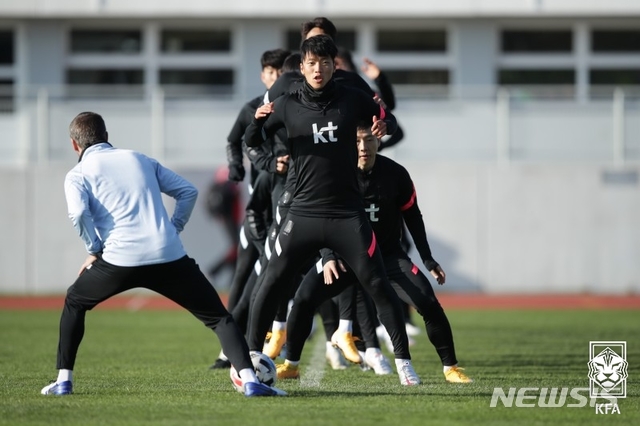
(258, 131)
(259, 207)
(367, 108)
(234, 140)
(386, 91)
(413, 219)
(396, 137)
(262, 159)
(327, 254)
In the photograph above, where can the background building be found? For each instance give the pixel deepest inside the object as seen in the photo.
(521, 118)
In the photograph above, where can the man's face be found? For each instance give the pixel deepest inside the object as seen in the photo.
(367, 149)
(317, 70)
(269, 75)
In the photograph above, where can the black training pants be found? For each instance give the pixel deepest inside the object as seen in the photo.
(411, 285)
(180, 280)
(300, 239)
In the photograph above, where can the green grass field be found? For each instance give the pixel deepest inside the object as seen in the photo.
(151, 368)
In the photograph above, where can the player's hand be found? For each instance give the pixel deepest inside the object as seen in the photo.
(236, 172)
(282, 164)
(438, 274)
(330, 271)
(370, 69)
(87, 263)
(264, 111)
(379, 128)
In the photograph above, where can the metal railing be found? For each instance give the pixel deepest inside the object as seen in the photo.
(190, 124)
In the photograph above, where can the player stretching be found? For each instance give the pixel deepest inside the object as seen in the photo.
(327, 210)
(114, 199)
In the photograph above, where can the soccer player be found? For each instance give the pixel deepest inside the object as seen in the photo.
(390, 196)
(114, 199)
(327, 210)
(271, 62)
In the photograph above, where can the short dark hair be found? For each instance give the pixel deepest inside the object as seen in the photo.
(292, 63)
(363, 125)
(321, 45)
(87, 129)
(273, 58)
(321, 22)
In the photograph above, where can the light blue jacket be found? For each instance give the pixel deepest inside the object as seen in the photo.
(114, 199)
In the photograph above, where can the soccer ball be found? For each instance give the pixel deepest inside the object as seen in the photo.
(265, 368)
(265, 371)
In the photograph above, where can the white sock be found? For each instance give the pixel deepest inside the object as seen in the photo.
(248, 375)
(278, 326)
(345, 326)
(294, 363)
(446, 368)
(222, 356)
(329, 345)
(374, 351)
(400, 363)
(64, 376)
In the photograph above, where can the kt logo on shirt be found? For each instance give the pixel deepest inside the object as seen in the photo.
(318, 135)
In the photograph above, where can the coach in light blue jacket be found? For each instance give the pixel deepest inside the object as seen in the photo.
(114, 199)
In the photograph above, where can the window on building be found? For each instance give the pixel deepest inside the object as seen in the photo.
(206, 77)
(6, 47)
(615, 41)
(206, 81)
(615, 77)
(106, 41)
(411, 41)
(6, 96)
(530, 41)
(419, 83)
(179, 41)
(418, 77)
(344, 38)
(105, 76)
(516, 77)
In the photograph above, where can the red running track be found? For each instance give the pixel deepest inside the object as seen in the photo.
(447, 300)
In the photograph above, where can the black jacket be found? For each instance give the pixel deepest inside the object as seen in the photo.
(322, 144)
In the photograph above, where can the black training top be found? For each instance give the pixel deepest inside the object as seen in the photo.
(321, 129)
(390, 198)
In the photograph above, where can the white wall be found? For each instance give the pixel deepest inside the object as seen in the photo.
(517, 228)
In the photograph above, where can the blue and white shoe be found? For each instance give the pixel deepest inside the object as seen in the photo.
(63, 388)
(260, 389)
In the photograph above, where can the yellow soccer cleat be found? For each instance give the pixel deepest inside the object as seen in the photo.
(276, 342)
(287, 371)
(455, 375)
(345, 342)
